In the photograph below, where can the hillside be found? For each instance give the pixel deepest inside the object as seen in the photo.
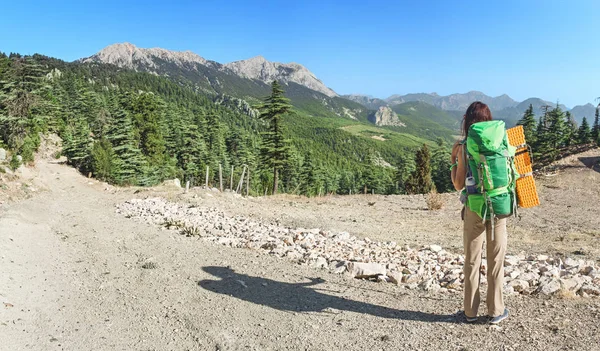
(430, 121)
(247, 79)
(139, 128)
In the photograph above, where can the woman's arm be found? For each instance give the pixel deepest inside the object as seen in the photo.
(460, 171)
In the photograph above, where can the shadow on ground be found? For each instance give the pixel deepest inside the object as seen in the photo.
(302, 297)
(591, 162)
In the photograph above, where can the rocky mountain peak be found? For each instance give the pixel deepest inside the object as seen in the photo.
(130, 56)
(384, 116)
(261, 69)
(153, 60)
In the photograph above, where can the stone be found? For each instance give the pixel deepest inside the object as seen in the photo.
(426, 284)
(542, 257)
(410, 279)
(454, 284)
(586, 270)
(320, 262)
(519, 285)
(511, 261)
(20, 158)
(569, 263)
(594, 274)
(514, 274)
(2, 155)
(572, 284)
(435, 248)
(365, 270)
(530, 277)
(172, 182)
(382, 279)
(549, 287)
(395, 277)
(590, 289)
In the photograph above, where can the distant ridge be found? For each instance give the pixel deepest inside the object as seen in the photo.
(156, 60)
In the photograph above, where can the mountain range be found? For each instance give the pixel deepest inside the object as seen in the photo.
(502, 107)
(248, 80)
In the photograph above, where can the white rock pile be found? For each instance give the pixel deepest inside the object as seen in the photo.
(429, 268)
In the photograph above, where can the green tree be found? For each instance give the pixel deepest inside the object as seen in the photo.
(128, 161)
(557, 131)
(529, 125)
(275, 146)
(440, 168)
(570, 130)
(77, 143)
(595, 134)
(419, 182)
(583, 134)
(102, 160)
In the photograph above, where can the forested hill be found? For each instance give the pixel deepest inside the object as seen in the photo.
(129, 127)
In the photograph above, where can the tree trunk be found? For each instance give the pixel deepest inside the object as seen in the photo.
(275, 180)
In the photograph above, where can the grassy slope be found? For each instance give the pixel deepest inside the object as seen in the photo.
(426, 121)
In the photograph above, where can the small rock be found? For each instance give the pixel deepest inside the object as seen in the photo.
(542, 257)
(569, 263)
(586, 270)
(511, 261)
(590, 289)
(395, 277)
(2, 154)
(549, 287)
(455, 284)
(519, 285)
(572, 284)
(435, 248)
(365, 270)
(320, 262)
(410, 279)
(382, 279)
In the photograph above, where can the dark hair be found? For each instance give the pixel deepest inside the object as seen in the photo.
(477, 112)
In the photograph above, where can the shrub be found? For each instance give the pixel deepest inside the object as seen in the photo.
(434, 200)
(14, 162)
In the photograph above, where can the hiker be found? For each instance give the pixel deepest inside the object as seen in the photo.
(488, 199)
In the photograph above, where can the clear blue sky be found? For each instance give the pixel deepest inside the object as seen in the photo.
(548, 49)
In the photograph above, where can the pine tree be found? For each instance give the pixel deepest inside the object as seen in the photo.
(192, 153)
(529, 125)
(556, 131)
(595, 135)
(541, 145)
(440, 168)
(102, 160)
(274, 148)
(420, 181)
(77, 143)
(570, 130)
(583, 134)
(214, 136)
(128, 161)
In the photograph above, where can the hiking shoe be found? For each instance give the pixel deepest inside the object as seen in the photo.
(461, 315)
(500, 318)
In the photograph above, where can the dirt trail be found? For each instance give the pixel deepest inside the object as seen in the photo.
(72, 278)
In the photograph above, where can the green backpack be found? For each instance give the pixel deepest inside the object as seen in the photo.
(491, 164)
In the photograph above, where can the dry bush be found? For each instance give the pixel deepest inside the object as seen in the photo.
(566, 294)
(434, 201)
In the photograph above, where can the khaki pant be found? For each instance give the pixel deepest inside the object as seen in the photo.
(473, 240)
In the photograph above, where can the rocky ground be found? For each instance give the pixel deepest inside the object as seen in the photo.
(78, 275)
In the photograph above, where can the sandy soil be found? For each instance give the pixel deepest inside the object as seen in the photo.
(73, 277)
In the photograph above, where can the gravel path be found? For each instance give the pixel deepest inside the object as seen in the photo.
(77, 276)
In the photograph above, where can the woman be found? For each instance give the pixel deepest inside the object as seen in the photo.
(473, 234)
